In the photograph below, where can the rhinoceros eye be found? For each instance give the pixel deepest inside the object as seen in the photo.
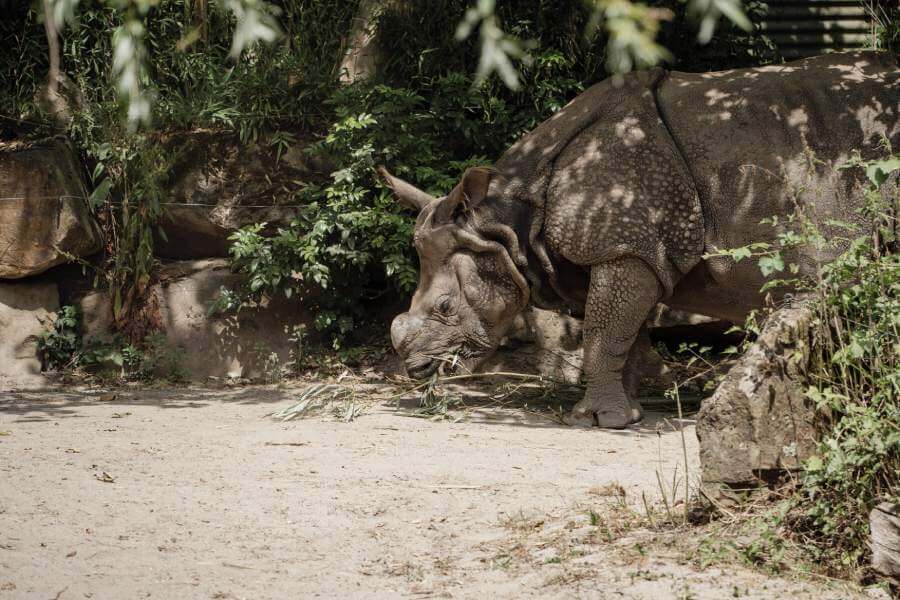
(445, 305)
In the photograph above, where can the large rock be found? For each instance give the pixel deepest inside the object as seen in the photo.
(26, 310)
(758, 423)
(211, 345)
(884, 525)
(43, 208)
(219, 185)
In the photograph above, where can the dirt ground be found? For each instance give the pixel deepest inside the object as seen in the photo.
(198, 493)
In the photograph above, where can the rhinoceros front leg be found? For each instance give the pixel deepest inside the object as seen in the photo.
(621, 295)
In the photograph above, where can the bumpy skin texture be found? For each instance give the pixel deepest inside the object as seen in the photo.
(609, 207)
(621, 294)
(768, 142)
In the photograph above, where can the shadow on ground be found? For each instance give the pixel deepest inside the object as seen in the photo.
(51, 404)
(476, 406)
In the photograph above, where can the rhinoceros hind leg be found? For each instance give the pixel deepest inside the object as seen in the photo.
(622, 293)
(634, 369)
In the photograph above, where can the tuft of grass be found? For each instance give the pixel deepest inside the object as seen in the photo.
(316, 397)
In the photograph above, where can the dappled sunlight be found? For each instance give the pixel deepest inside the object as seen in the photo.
(628, 130)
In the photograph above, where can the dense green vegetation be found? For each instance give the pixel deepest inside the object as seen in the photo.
(855, 383)
(422, 115)
(853, 380)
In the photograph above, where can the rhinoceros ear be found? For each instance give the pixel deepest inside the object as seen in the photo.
(468, 193)
(406, 193)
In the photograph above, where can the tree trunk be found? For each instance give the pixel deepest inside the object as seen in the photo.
(53, 47)
(362, 56)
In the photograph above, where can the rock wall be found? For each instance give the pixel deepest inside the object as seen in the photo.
(218, 185)
(211, 346)
(26, 310)
(44, 220)
(43, 209)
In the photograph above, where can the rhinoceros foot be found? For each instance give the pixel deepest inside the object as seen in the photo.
(605, 405)
(634, 407)
(602, 419)
(576, 418)
(613, 419)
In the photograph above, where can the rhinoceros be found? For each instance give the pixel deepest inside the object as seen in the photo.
(628, 196)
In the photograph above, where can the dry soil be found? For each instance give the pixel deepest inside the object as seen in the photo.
(197, 493)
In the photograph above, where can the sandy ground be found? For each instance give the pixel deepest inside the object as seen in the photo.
(197, 493)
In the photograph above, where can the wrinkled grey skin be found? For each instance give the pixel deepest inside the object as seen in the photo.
(615, 203)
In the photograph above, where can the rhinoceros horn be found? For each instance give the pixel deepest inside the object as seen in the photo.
(406, 193)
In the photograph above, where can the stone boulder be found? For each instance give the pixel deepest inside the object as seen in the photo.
(26, 310)
(208, 345)
(44, 215)
(884, 525)
(219, 185)
(758, 424)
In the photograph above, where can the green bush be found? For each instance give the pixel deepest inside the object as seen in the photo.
(853, 379)
(58, 346)
(62, 347)
(855, 383)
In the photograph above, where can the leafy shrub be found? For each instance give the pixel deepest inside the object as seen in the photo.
(60, 343)
(349, 224)
(853, 379)
(157, 358)
(62, 347)
(855, 383)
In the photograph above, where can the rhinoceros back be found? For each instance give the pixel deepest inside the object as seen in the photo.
(767, 142)
(604, 180)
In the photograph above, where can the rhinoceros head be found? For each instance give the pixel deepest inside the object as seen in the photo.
(469, 287)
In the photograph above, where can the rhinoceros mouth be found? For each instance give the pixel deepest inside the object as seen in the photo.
(463, 360)
(422, 368)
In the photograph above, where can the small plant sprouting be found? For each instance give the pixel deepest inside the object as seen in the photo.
(60, 344)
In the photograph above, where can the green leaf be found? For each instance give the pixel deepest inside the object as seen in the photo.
(814, 463)
(100, 193)
(771, 264)
(739, 254)
(878, 171)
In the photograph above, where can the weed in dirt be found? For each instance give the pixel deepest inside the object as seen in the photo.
(501, 561)
(521, 523)
(438, 401)
(270, 362)
(347, 410)
(435, 401)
